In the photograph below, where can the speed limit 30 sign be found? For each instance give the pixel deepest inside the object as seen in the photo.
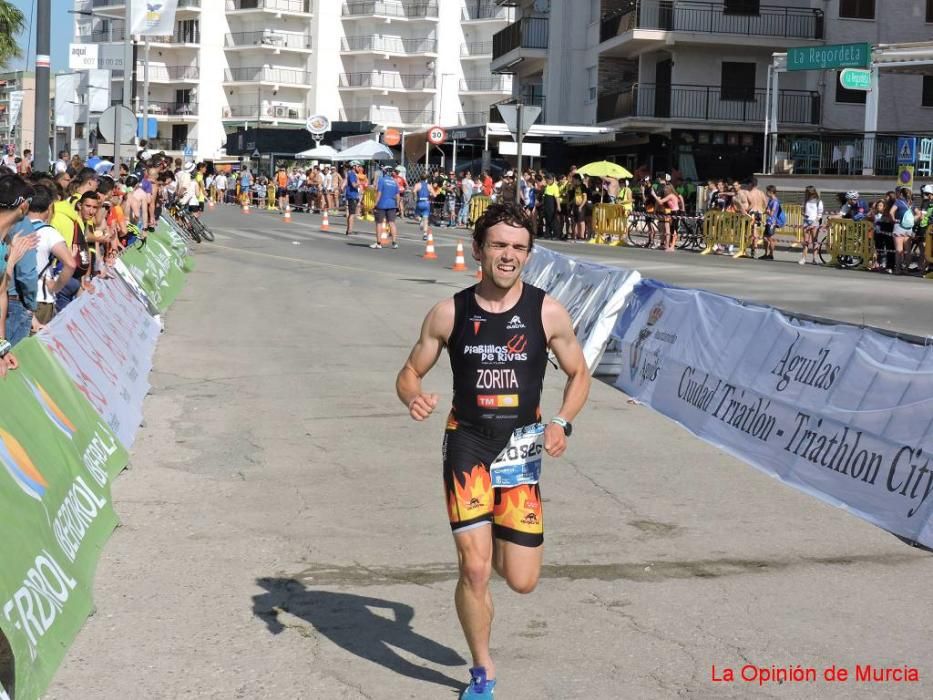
(436, 135)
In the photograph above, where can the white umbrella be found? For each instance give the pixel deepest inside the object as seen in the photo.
(368, 150)
(321, 153)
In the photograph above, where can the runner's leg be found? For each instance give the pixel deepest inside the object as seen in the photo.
(519, 565)
(472, 597)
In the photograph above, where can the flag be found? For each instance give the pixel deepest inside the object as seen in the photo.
(153, 18)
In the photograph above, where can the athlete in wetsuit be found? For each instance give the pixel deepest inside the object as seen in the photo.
(497, 335)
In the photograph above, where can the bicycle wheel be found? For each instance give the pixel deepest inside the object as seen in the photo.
(822, 248)
(185, 220)
(203, 231)
(687, 234)
(638, 229)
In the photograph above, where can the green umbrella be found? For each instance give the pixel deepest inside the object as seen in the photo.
(603, 168)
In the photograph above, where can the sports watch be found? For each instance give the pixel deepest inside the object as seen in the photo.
(5, 347)
(565, 424)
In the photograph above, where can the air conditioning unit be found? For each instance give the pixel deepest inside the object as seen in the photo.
(280, 111)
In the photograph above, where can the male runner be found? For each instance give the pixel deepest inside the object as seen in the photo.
(387, 205)
(497, 334)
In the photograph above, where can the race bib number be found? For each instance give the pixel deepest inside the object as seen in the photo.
(520, 460)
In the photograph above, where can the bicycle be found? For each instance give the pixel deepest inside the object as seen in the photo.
(642, 229)
(690, 233)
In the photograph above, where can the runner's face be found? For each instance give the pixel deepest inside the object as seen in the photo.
(504, 254)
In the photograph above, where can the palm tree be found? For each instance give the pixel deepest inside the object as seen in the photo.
(12, 24)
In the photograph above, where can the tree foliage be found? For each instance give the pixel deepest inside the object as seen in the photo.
(12, 24)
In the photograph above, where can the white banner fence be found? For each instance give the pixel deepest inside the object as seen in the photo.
(840, 412)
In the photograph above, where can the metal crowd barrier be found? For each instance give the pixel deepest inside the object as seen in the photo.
(726, 228)
(368, 204)
(794, 215)
(478, 206)
(852, 239)
(609, 220)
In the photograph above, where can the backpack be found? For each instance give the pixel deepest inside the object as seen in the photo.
(781, 219)
(907, 219)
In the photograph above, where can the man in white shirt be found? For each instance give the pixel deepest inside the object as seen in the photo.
(185, 191)
(467, 187)
(51, 246)
(220, 186)
(61, 165)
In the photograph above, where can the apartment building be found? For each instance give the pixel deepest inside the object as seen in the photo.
(234, 64)
(17, 109)
(685, 81)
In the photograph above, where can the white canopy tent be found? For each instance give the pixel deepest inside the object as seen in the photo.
(368, 150)
(318, 153)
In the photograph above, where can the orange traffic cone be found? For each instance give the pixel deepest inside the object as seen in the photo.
(245, 208)
(479, 273)
(288, 215)
(459, 261)
(210, 204)
(429, 253)
(325, 223)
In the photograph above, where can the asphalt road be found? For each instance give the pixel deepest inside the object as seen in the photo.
(284, 533)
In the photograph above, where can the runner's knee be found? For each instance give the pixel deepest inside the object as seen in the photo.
(475, 572)
(522, 582)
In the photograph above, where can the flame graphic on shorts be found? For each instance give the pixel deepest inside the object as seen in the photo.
(517, 343)
(520, 509)
(473, 498)
(55, 414)
(20, 467)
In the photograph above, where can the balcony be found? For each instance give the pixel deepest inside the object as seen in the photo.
(166, 74)
(172, 144)
(390, 10)
(706, 103)
(268, 39)
(629, 33)
(476, 49)
(277, 76)
(114, 35)
(484, 11)
(269, 112)
(388, 45)
(496, 83)
(297, 7)
(158, 109)
(525, 40)
(464, 118)
(389, 116)
(387, 81)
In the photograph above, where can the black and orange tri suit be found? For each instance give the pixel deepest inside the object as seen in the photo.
(498, 362)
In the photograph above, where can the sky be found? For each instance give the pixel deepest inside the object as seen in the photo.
(62, 26)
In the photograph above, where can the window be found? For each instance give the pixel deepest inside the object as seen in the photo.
(849, 97)
(738, 81)
(741, 7)
(857, 9)
(927, 99)
(591, 83)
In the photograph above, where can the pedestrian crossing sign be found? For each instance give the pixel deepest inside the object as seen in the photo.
(906, 149)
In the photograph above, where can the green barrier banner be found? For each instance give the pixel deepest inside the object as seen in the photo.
(57, 461)
(160, 266)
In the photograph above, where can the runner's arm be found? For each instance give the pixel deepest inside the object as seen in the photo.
(563, 342)
(437, 327)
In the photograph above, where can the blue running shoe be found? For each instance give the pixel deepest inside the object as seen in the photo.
(479, 688)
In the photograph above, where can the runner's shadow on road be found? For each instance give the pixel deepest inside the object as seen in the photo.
(350, 622)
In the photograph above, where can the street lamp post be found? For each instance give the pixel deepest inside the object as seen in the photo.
(41, 126)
